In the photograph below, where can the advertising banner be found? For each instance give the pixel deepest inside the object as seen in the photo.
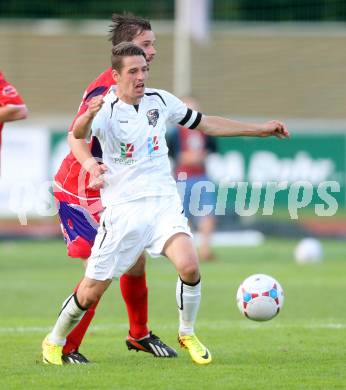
(305, 162)
(307, 169)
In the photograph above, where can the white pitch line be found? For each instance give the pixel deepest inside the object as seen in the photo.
(202, 325)
(40, 329)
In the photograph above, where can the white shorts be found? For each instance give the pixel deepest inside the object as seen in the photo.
(128, 229)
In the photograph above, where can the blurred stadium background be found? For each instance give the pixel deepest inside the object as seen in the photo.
(249, 60)
(258, 59)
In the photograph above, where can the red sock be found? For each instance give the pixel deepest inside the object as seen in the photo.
(135, 293)
(75, 337)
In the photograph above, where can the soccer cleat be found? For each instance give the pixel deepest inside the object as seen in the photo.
(199, 353)
(151, 344)
(51, 352)
(74, 357)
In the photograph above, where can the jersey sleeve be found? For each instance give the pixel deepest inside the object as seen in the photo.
(179, 113)
(9, 96)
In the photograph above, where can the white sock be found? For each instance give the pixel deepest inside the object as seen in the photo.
(71, 313)
(188, 299)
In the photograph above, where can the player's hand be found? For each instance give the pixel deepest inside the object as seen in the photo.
(97, 180)
(274, 128)
(94, 105)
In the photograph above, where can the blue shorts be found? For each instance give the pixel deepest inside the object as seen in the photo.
(198, 195)
(79, 229)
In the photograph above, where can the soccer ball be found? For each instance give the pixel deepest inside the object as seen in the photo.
(308, 250)
(260, 297)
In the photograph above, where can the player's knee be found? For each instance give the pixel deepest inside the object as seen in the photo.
(79, 248)
(190, 272)
(88, 298)
(88, 301)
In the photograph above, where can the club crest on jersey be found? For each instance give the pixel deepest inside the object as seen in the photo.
(153, 144)
(153, 116)
(126, 150)
(10, 91)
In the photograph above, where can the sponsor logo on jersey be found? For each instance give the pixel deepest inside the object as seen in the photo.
(153, 116)
(124, 161)
(126, 150)
(10, 91)
(153, 144)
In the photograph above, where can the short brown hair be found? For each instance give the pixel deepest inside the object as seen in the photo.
(124, 49)
(126, 27)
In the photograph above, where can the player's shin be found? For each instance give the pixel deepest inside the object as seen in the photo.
(135, 293)
(69, 316)
(75, 337)
(188, 300)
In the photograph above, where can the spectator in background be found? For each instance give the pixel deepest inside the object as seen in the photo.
(12, 107)
(189, 149)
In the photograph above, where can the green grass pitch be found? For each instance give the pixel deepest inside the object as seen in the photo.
(303, 348)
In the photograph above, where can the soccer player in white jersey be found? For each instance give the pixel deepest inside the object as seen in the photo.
(143, 210)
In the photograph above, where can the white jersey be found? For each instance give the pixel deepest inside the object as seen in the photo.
(134, 147)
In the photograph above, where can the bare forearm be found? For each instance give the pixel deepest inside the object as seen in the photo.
(82, 126)
(10, 113)
(222, 127)
(81, 151)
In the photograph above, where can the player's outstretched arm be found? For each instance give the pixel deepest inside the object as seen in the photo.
(222, 127)
(82, 126)
(12, 113)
